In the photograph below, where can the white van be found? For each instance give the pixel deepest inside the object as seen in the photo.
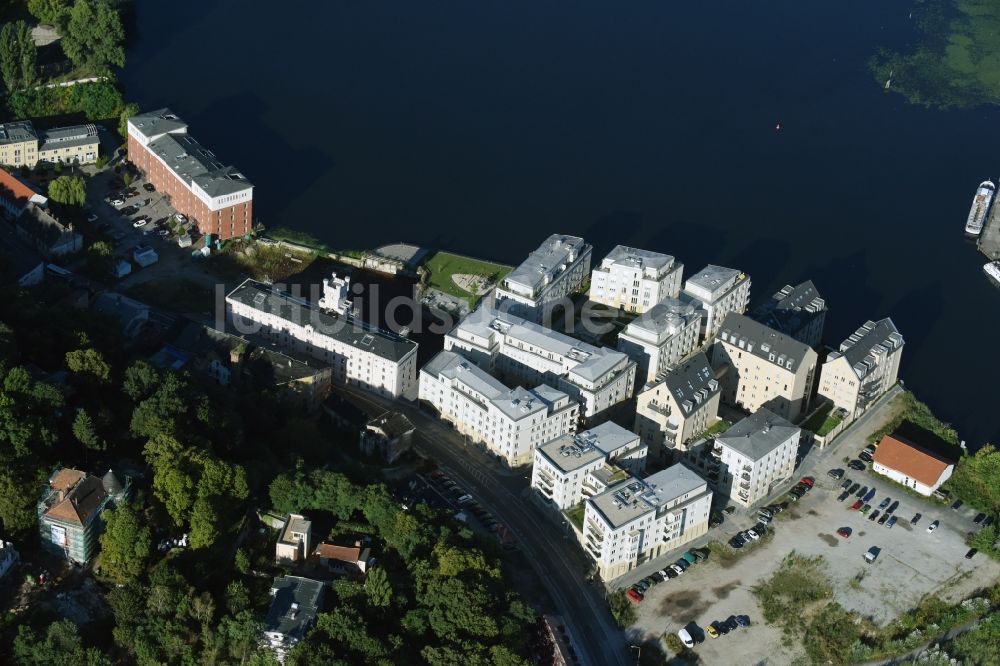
(686, 638)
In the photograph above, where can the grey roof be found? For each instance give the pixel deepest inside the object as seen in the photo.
(295, 523)
(17, 132)
(631, 499)
(345, 328)
(294, 605)
(668, 316)
(42, 225)
(591, 363)
(192, 162)
(867, 345)
(393, 424)
(711, 282)
(69, 137)
(791, 308)
(763, 342)
(516, 403)
(111, 483)
(569, 452)
(691, 383)
(548, 260)
(637, 258)
(156, 122)
(758, 434)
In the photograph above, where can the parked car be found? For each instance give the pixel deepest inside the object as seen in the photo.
(872, 554)
(670, 573)
(885, 517)
(871, 448)
(972, 553)
(916, 519)
(957, 505)
(763, 519)
(752, 534)
(844, 532)
(148, 187)
(980, 517)
(807, 481)
(715, 520)
(686, 638)
(722, 627)
(873, 515)
(760, 529)
(869, 495)
(162, 232)
(933, 526)
(892, 508)
(856, 465)
(676, 569)
(140, 222)
(712, 631)
(846, 484)
(865, 456)
(701, 553)
(683, 564)
(866, 508)
(764, 511)
(854, 488)
(836, 474)
(731, 623)
(886, 502)
(743, 620)
(844, 495)
(634, 595)
(737, 542)
(861, 491)
(857, 505)
(891, 522)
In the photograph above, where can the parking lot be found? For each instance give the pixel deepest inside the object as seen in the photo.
(911, 563)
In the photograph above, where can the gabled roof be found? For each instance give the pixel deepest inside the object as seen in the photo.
(869, 345)
(17, 192)
(691, 382)
(765, 343)
(910, 459)
(74, 497)
(349, 554)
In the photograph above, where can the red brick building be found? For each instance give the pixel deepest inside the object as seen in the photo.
(218, 198)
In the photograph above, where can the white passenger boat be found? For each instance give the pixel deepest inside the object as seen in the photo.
(980, 207)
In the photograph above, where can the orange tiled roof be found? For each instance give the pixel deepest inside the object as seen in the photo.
(14, 190)
(339, 553)
(910, 459)
(78, 502)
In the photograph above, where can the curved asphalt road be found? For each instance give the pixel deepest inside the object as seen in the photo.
(556, 559)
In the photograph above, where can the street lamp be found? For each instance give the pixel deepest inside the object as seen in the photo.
(638, 653)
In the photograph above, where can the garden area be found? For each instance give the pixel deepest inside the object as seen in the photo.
(442, 268)
(822, 421)
(267, 263)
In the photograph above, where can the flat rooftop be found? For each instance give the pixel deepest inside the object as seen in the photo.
(712, 282)
(631, 499)
(623, 255)
(345, 328)
(668, 316)
(544, 264)
(572, 452)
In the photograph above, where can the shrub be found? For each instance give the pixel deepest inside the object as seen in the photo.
(621, 609)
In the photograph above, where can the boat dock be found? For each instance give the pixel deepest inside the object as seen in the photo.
(989, 240)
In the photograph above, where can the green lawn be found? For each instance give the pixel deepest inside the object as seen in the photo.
(822, 422)
(722, 426)
(575, 515)
(442, 265)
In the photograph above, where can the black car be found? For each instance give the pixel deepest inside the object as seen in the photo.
(732, 623)
(730, 509)
(683, 564)
(844, 495)
(760, 528)
(886, 502)
(671, 573)
(715, 521)
(972, 553)
(873, 515)
(836, 473)
(862, 492)
(148, 187)
(864, 455)
(916, 519)
(885, 517)
(957, 505)
(854, 488)
(892, 507)
(987, 521)
(980, 517)
(856, 464)
(737, 541)
(846, 484)
(743, 620)
(722, 627)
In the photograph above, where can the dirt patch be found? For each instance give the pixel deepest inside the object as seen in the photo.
(722, 592)
(812, 512)
(684, 604)
(830, 540)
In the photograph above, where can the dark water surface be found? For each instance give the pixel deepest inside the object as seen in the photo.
(484, 126)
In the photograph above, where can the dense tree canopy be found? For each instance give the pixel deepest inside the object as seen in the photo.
(18, 56)
(94, 36)
(68, 190)
(125, 543)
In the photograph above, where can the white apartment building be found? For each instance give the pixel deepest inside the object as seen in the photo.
(864, 367)
(760, 367)
(638, 520)
(572, 468)
(359, 354)
(511, 422)
(747, 461)
(681, 405)
(717, 291)
(519, 350)
(635, 280)
(552, 272)
(659, 339)
(799, 312)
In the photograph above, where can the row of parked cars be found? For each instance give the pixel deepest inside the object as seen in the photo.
(464, 500)
(637, 592)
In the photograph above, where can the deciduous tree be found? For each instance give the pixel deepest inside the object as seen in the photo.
(94, 36)
(377, 588)
(85, 433)
(125, 543)
(68, 190)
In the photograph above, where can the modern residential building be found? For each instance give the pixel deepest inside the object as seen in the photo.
(716, 291)
(78, 144)
(387, 436)
(524, 352)
(635, 280)
(760, 367)
(797, 311)
(9, 557)
(510, 422)
(293, 540)
(659, 339)
(21, 145)
(562, 469)
(218, 198)
(677, 408)
(295, 603)
(746, 462)
(911, 465)
(864, 367)
(552, 272)
(360, 355)
(637, 520)
(69, 511)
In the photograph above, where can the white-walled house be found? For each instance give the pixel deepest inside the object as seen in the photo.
(911, 465)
